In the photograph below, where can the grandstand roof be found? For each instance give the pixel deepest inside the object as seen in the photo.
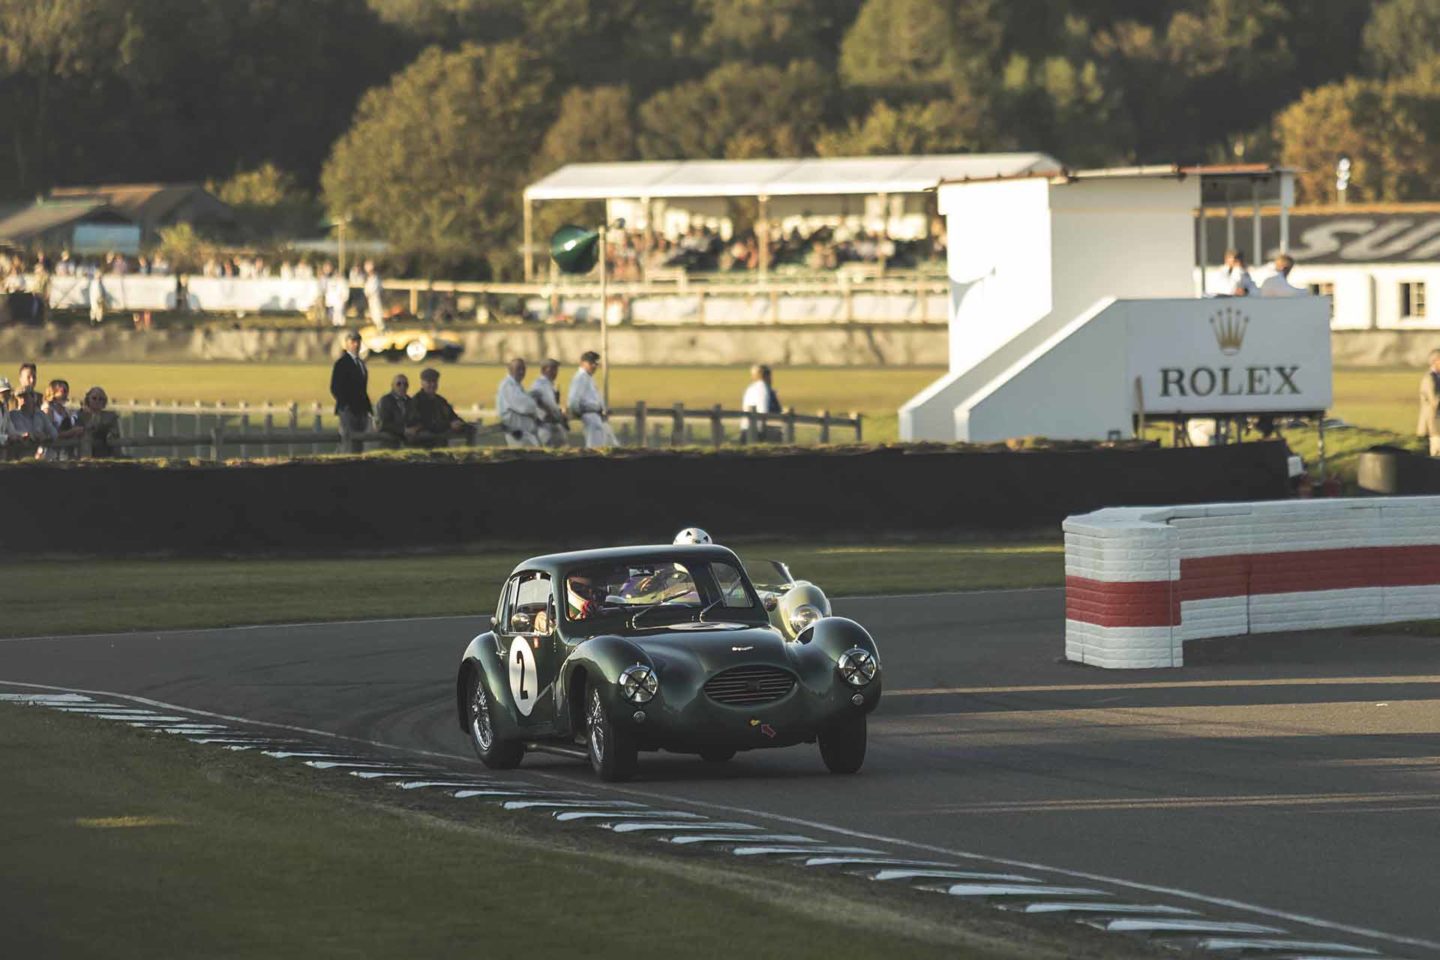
(838, 176)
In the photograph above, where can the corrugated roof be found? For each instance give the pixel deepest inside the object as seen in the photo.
(29, 222)
(145, 202)
(837, 176)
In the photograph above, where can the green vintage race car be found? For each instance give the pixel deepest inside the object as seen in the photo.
(605, 653)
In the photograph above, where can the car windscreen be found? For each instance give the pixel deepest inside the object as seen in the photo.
(768, 574)
(682, 589)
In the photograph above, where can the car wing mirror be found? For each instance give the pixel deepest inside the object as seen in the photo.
(771, 602)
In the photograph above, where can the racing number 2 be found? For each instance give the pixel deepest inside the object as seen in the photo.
(524, 677)
(521, 692)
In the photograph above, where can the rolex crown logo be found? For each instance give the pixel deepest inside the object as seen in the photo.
(1229, 325)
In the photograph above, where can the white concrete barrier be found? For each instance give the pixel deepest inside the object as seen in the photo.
(1140, 581)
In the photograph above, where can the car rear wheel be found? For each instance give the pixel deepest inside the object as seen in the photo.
(613, 753)
(495, 753)
(716, 755)
(842, 745)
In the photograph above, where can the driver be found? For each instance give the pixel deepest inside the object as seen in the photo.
(693, 535)
(582, 597)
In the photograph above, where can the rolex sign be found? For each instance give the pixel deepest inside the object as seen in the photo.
(1231, 355)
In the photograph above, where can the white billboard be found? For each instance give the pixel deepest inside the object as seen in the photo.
(1231, 355)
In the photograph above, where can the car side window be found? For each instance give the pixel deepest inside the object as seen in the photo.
(732, 586)
(502, 609)
(532, 598)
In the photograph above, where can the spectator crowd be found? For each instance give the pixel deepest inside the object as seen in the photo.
(38, 424)
(637, 253)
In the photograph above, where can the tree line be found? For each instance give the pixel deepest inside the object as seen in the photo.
(421, 120)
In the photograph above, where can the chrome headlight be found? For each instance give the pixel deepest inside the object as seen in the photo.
(803, 616)
(638, 684)
(858, 666)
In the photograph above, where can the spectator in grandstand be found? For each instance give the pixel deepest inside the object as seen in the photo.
(760, 396)
(27, 428)
(337, 294)
(28, 375)
(374, 296)
(394, 413)
(1237, 278)
(432, 415)
(1280, 285)
(1429, 425)
(65, 266)
(349, 385)
(584, 401)
(102, 427)
(554, 429)
(96, 291)
(519, 416)
(7, 397)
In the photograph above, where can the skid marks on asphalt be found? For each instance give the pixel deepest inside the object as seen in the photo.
(1021, 892)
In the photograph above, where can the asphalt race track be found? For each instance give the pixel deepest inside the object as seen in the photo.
(1293, 778)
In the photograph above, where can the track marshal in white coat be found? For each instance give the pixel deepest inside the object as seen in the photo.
(519, 416)
(585, 403)
(554, 429)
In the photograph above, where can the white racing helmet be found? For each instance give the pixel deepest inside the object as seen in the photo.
(693, 535)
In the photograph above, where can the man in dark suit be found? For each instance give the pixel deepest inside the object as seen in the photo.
(349, 383)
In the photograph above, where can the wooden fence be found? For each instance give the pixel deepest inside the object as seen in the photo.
(249, 431)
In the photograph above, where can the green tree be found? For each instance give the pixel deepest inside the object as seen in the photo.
(738, 110)
(774, 31)
(594, 125)
(1390, 131)
(643, 43)
(451, 20)
(1400, 36)
(915, 47)
(46, 45)
(434, 162)
(268, 202)
(940, 126)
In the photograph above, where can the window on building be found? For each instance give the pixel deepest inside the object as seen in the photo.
(1412, 300)
(1324, 290)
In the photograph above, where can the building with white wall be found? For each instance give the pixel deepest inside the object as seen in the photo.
(1057, 281)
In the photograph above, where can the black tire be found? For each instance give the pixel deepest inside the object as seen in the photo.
(613, 753)
(716, 754)
(842, 746)
(495, 753)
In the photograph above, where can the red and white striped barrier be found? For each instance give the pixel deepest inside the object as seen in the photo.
(1140, 581)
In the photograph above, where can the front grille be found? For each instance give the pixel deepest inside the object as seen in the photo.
(742, 686)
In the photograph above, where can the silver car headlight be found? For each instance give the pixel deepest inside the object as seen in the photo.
(638, 684)
(858, 666)
(804, 615)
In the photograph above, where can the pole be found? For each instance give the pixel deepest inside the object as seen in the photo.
(341, 240)
(528, 255)
(604, 323)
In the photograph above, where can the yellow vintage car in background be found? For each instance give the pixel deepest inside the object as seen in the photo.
(398, 342)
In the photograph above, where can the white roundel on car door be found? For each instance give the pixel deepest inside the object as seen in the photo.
(522, 676)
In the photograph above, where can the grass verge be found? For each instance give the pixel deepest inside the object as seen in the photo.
(102, 596)
(120, 844)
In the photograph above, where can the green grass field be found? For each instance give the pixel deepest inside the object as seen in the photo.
(103, 596)
(1379, 399)
(122, 844)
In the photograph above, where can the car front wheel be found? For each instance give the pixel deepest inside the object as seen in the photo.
(842, 745)
(495, 753)
(613, 753)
